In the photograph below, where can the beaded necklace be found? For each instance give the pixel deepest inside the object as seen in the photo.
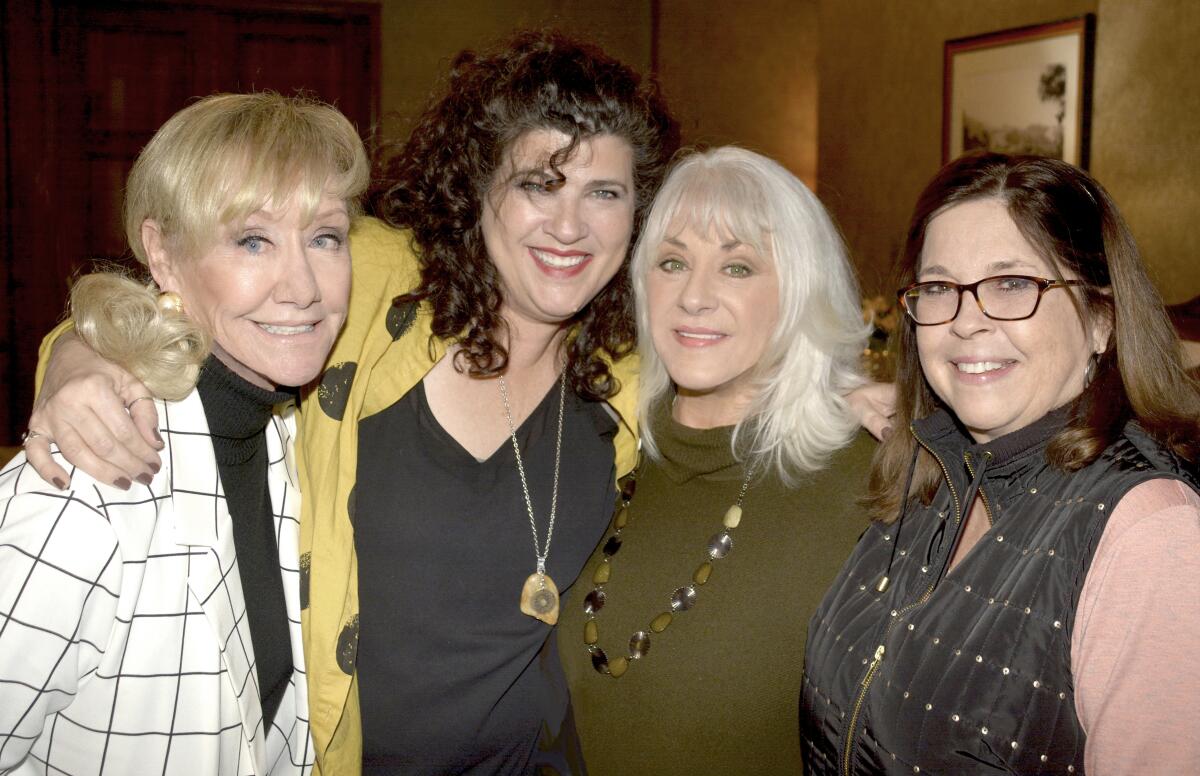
(682, 599)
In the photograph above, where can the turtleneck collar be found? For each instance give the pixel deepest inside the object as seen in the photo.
(693, 452)
(237, 411)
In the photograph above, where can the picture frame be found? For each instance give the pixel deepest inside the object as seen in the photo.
(1026, 90)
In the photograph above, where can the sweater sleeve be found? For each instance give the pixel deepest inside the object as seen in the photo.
(1137, 622)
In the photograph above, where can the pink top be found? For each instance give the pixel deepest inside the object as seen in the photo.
(1137, 629)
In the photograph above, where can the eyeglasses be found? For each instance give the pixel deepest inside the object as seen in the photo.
(1001, 298)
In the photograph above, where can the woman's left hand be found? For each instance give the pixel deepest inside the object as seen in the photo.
(874, 404)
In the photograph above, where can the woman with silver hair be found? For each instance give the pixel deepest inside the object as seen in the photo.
(750, 334)
(154, 626)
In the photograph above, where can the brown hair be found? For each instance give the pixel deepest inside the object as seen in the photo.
(436, 183)
(1073, 223)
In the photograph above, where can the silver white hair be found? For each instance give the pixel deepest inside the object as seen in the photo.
(799, 416)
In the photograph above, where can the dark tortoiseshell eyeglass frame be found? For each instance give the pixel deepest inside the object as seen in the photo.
(913, 290)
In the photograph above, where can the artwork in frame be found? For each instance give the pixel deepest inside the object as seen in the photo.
(1021, 91)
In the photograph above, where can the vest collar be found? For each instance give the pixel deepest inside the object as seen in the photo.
(946, 438)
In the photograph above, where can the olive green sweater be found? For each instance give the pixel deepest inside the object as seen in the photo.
(717, 691)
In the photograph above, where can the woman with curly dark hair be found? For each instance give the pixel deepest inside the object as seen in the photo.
(445, 176)
(521, 189)
(481, 379)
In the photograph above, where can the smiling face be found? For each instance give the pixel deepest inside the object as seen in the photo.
(556, 243)
(712, 304)
(272, 291)
(999, 376)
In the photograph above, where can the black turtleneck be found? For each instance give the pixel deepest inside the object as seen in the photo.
(238, 413)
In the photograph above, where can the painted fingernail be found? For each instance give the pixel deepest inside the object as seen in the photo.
(59, 483)
(887, 432)
(154, 467)
(122, 482)
(158, 438)
(145, 478)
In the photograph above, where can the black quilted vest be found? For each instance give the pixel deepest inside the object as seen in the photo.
(974, 675)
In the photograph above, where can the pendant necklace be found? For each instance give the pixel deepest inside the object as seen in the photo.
(539, 595)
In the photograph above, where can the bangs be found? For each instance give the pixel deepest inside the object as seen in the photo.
(276, 181)
(722, 201)
(281, 164)
(230, 156)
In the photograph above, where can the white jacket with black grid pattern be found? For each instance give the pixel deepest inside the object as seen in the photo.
(124, 643)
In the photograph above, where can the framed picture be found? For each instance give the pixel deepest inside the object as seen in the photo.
(1021, 91)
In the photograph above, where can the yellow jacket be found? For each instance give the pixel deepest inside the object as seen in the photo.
(381, 354)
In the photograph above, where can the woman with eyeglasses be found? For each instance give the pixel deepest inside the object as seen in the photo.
(1023, 601)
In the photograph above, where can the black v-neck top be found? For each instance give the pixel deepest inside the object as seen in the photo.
(453, 678)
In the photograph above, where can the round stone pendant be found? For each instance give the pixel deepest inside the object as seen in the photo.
(539, 598)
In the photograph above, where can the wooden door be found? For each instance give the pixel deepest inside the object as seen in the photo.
(85, 84)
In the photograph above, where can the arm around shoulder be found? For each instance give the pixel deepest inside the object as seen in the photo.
(46, 349)
(90, 408)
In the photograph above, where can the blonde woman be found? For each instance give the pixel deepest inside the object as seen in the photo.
(156, 629)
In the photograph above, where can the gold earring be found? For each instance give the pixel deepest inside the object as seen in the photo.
(170, 302)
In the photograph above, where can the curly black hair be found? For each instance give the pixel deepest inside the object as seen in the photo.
(436, 183)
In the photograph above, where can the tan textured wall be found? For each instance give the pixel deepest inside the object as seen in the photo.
(1146, 131)
(880, 108)
(744, 73)
(748, 73)
(421, 36)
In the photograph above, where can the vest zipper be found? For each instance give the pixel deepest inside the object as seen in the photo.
(848, 750)
(869, 677)
(945, 472)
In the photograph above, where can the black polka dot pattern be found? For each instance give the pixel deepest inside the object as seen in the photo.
(400, 318)
(347, 647)
(305, 566)
(334, 391)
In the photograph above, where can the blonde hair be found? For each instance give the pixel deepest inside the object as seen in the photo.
(119, 318)
(212, 164)
(798, 416)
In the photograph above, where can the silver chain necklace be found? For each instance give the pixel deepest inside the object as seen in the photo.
(539, 595)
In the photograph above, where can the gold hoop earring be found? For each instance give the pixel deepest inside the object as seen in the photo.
(170, 302)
